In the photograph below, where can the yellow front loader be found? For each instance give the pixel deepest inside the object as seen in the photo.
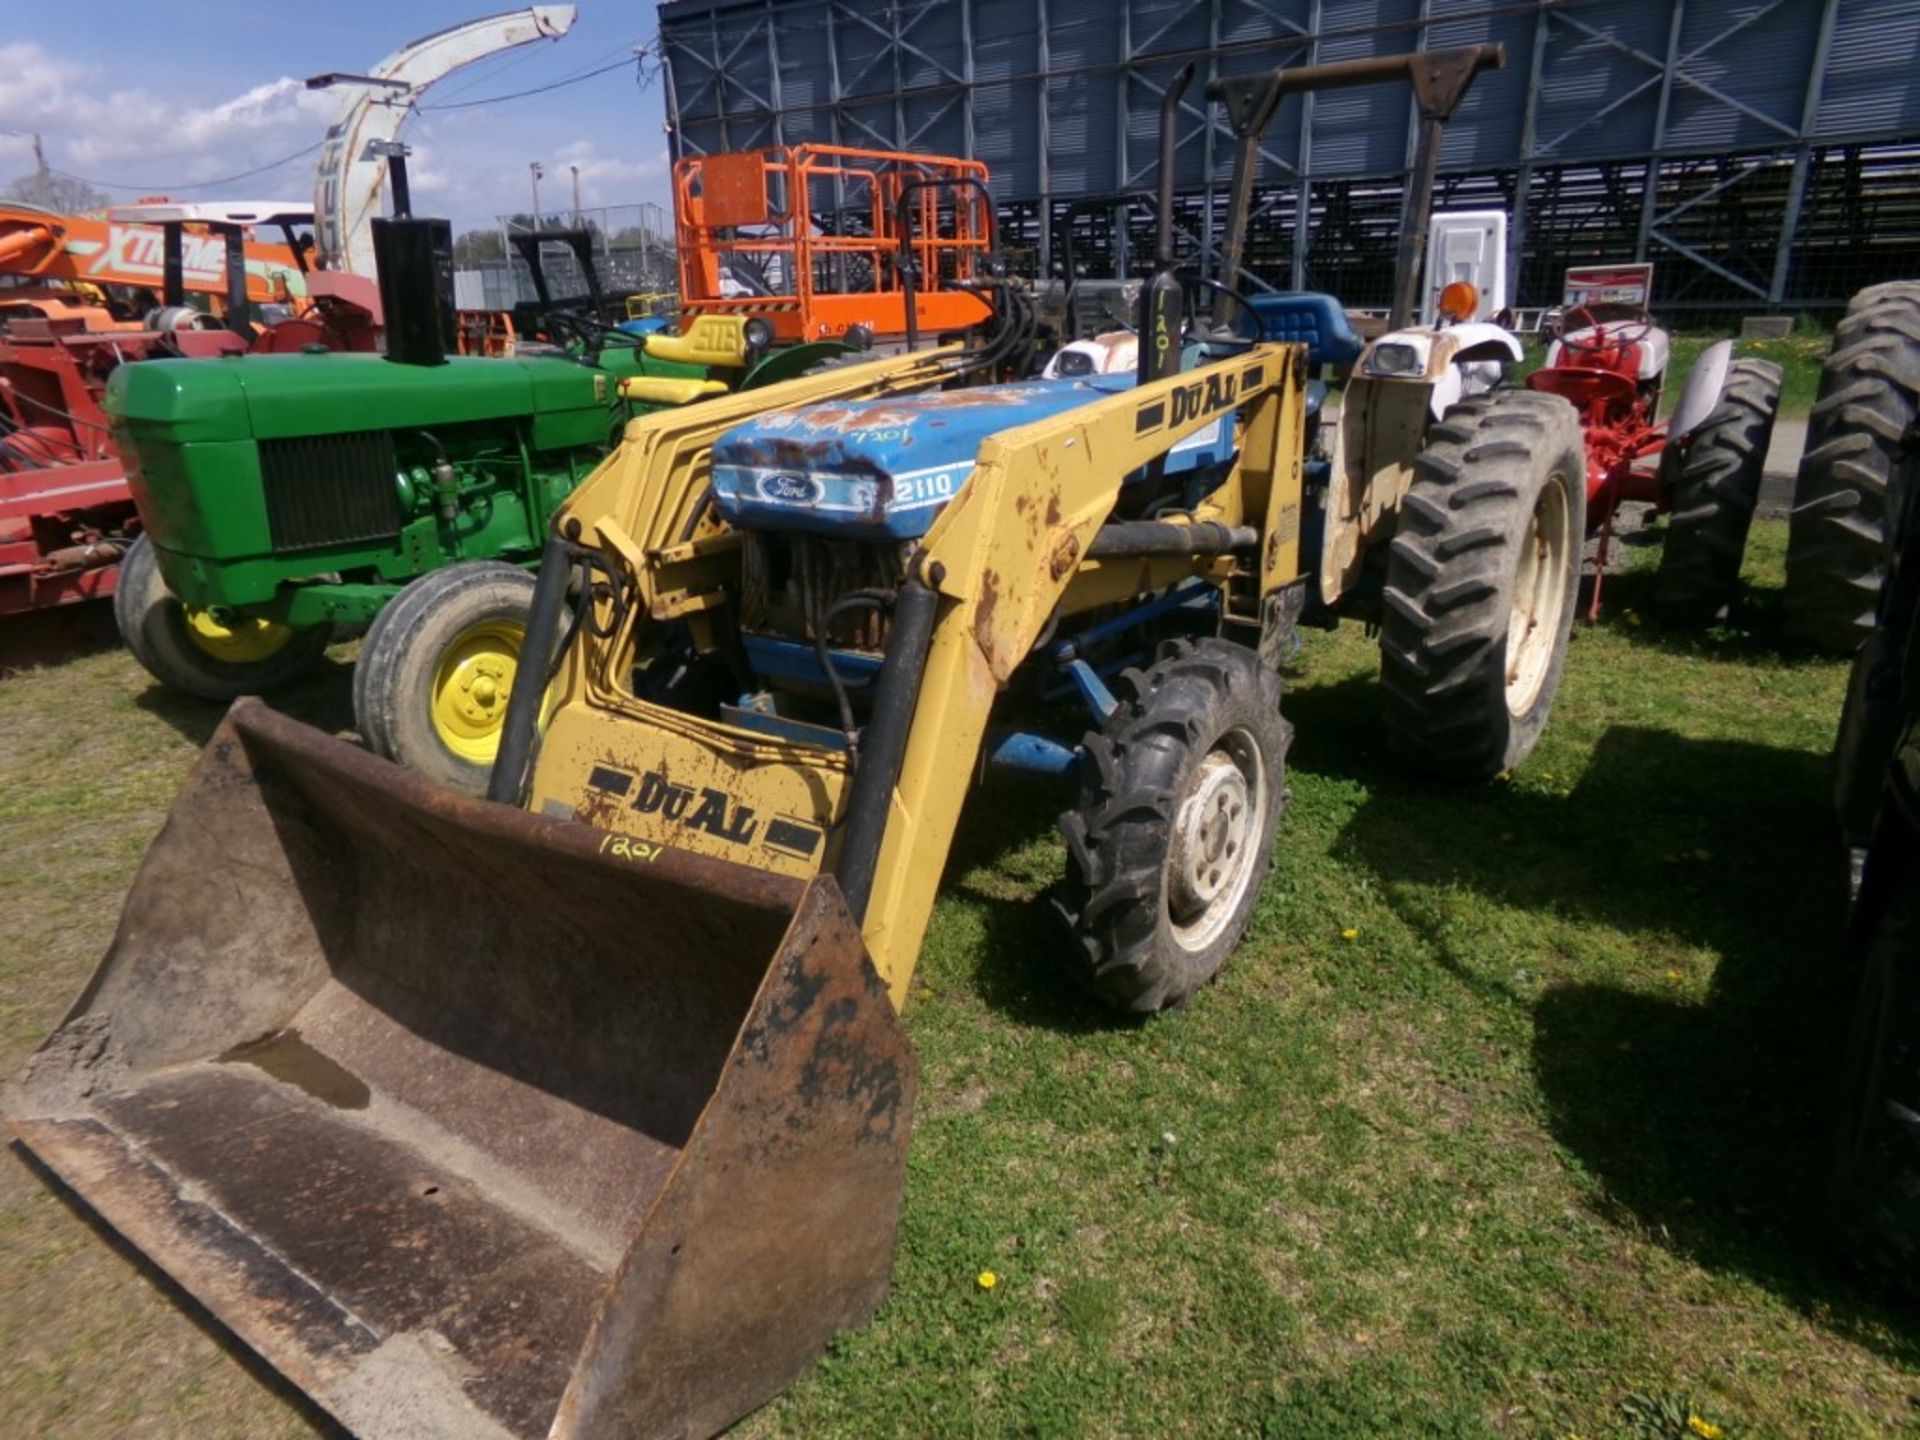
(590, 1118)
(582, 1110)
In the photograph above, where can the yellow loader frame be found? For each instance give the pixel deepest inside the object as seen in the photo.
(1018, 544)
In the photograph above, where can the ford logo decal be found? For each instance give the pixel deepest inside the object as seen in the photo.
(790, 489)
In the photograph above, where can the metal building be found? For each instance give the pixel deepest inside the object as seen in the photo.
(1764, 153)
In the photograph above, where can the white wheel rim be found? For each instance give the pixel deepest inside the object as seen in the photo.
(1539, 597)
(1216, 839)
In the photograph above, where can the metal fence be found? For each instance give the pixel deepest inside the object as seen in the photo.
(633, 254)
(1761, 152)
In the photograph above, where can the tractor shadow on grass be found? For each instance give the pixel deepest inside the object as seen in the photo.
(1754, 629)
(322, 698)
(1018, 970)
(1704, 1124)
(53, 637)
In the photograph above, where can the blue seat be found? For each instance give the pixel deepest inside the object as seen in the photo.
(1317, 321)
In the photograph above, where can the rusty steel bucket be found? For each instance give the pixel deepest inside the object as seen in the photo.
(472, 1122)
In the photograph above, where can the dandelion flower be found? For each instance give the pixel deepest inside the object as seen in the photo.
(986, 1280)
(1675, 976)
(1350, 933)
(1705, 1429)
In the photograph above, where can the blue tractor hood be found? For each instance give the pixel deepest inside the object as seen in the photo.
(883, 469)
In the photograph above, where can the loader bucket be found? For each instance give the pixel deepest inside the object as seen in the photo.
(473, 1122)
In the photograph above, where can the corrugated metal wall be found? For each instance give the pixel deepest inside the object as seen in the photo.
(1061, 97)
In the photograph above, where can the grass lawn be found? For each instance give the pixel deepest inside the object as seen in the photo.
(1505, 1121)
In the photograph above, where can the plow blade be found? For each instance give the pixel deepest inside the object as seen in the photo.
(475, 1123)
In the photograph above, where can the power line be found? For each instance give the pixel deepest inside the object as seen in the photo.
(192, 184)
(536, 90)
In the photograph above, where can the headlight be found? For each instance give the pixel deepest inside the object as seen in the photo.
(759, 333)
(1395, 360)
(1074, 362)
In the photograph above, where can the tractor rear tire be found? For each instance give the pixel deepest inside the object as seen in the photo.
(1850, 475)
(1874, 1184)
(197, 652)
(1713, 485)
(430, 691)
(1181, 793)
(1482, 579)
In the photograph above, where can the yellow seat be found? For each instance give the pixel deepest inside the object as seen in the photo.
(664, 390)
(711, 340)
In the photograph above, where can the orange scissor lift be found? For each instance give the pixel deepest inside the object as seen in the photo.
(808, 237)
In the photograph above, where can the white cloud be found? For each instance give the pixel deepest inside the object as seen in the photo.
(155, 137)
(144, 138)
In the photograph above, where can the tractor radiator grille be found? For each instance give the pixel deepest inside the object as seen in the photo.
(330, 489)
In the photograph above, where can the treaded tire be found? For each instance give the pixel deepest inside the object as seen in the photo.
(1883, 686)
(1874, 1184)
(1713, 480)
(1847, 486)
(1145, 770)
(400, 672)
(153, 626)
(1905, 291)
(1452, 575)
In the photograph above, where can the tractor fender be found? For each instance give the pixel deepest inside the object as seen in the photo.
(1452, 362)
(1701, 395)
(1483, 340)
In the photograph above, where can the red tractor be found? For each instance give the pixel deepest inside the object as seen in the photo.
(1701, 467)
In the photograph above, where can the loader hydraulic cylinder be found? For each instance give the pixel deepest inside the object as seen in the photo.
(509, 778)
(884, 742)
(1131, 539)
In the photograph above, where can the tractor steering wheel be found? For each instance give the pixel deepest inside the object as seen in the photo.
(585, 329)
(1244, 313)
(1607, 335)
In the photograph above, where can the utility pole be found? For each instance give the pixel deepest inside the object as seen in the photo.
(42, 181)
(576, 195)
(533, 169)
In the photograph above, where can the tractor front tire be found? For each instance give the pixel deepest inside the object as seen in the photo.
(1181, 793)
(1713, 487)
(1481, 584)
(214, 656)
(1874, 1185)
(1845, 494)
(430, 691)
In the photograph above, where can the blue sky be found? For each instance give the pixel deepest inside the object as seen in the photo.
(160, 95)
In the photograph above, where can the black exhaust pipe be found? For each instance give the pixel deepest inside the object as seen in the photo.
(414, 260)
(1162, 303)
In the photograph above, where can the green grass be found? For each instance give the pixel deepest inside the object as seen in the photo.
(1535, 1153)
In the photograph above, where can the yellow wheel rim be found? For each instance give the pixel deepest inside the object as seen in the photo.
(238, 639)
(471, 685)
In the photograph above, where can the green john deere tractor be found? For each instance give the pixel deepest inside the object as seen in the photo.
(285, 498)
